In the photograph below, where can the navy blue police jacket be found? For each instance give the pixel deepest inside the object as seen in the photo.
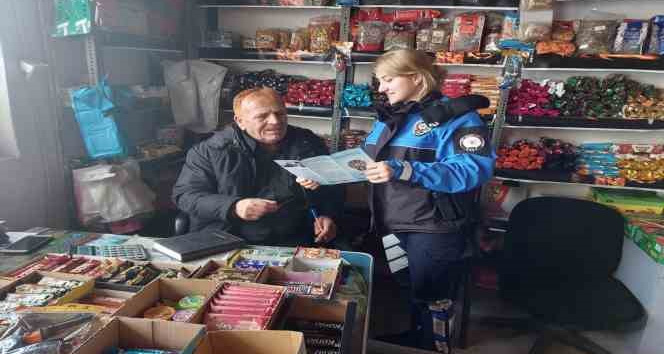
(439, 168)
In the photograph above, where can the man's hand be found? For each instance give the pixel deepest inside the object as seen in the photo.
(379, 172)
(325, 229)
(252, 209)
(307, 183)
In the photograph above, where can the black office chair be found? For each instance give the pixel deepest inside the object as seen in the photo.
(559, 257)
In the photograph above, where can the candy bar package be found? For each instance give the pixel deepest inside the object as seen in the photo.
(467, 32)
(563, 31)
(631, 37)
(656, 43)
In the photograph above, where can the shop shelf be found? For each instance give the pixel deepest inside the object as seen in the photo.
(580, 123)
(572, 64)
(540, 177)
(240, 55)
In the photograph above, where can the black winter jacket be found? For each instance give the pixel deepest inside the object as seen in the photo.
(230, 166)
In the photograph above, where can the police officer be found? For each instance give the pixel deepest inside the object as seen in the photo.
(432, 154)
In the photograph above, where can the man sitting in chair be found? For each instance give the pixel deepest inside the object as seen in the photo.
(230, 181)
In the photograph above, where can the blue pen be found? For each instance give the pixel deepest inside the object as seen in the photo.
(314, 213)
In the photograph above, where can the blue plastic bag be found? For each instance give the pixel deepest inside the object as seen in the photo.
(93, 109)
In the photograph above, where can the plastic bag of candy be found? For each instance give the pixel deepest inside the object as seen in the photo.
(631, 37)
(467, 32)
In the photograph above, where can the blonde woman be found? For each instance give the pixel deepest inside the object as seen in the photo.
(432, 154)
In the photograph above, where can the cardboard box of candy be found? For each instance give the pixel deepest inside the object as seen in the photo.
(214, 270)
(110, 273)
(180, 300)
(135, 333)
(39, 289)
(319, 284)
(244, 306)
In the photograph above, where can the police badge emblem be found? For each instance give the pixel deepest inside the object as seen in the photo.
(422, 127)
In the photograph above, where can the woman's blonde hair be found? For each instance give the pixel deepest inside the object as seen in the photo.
(405, 62)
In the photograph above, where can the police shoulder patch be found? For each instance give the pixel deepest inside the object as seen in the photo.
(422, 127)
(473, 140)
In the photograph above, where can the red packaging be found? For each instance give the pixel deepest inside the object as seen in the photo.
(411, 15)
(235, 322)
(242, 310)
(235, 289)
(467, 32)
(250, 296)
(235, 302)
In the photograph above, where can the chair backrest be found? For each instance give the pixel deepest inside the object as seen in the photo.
(555, 238)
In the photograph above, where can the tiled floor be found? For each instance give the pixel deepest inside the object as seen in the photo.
(390, 315)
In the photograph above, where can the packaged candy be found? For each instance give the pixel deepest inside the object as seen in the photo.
(561, 48)
(467, 32)
(299, 40)
(631, 37)
(537, 4)
(160, 312)
(183, 315)
(595, 36)
(322, 340)
(370, 36)
(536, 31)
(323, 31)
(441, 312)
(440, 35)
(191, 302)
(656, 44)
(216, 321)
(317, 253)
(510, 26)
(267, 39)
(399, 37)
(563, 31)
(493, 31)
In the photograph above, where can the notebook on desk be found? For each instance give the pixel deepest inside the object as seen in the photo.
(197, 245)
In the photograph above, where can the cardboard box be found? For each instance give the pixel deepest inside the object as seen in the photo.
(301, 308)
(126, 296)
(277, 315)
(35, 277)
(126, 333)
(252, 342)
(169, 289)
(274, 275)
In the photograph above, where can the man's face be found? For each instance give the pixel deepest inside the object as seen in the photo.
(263, 118)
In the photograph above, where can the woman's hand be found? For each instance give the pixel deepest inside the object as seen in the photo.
(307, 183)
(379, 172)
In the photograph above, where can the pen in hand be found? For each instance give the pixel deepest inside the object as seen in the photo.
(317, 227)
